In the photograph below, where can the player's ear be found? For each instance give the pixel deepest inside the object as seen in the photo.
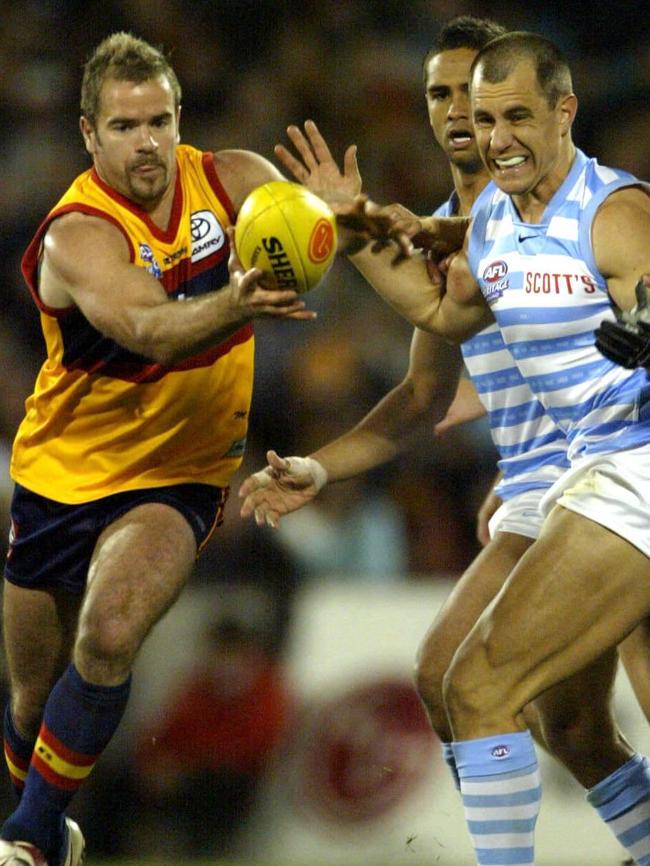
(178, 124)
(568, 108)
(88, 134)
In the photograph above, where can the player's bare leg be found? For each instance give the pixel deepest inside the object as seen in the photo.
(578, 723)
(634, 653)
(39, 631)
(470, 596)
(575, 595)
(140, 564)
(577, 592)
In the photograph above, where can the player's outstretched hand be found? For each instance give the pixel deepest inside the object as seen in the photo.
(439, 235)
(363, 222)
(251, 300)
(627, 341)
(359, 220)
(285, 485)
(316, 168)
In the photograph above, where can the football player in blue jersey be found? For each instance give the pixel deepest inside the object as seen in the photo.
(553, 247)
(575, 716)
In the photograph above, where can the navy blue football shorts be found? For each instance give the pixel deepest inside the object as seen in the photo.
(51, 544)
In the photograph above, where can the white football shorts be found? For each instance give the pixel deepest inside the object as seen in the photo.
(520, 514)
(610, 489)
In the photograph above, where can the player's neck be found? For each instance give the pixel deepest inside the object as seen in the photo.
(468, 186)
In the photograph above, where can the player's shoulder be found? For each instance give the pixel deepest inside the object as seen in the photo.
(635, 194)
(76, 223)
(74, 233)
(240, 171)
(628, 203)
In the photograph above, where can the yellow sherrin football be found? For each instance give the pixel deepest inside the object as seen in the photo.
(287, 232)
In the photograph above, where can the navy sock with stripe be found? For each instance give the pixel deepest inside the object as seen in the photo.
(18, 753)
(78, 722)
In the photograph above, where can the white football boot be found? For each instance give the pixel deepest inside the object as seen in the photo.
(20, 854)
(74, 853)
(26, 854)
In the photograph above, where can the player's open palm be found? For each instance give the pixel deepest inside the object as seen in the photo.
(250, 299)
(285, 485)
(315, 167)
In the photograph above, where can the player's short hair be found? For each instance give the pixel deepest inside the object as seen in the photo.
(123, 57)
(464, 31)
(498, 58)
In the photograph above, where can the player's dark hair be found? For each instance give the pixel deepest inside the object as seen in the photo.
(464, 31)
(123, 57)
(498, 58)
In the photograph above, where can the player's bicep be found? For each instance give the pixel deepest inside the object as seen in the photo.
(87, 262)
(621, 243)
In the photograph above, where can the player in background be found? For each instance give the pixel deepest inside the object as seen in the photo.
(575, 718)
(136, 423)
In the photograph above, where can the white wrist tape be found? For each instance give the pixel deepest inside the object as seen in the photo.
(310, 466)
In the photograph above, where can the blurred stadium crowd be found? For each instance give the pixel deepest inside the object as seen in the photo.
(249, 68)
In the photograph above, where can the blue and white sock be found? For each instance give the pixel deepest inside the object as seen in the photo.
(501, 790)
(623, 802)
(450, 760)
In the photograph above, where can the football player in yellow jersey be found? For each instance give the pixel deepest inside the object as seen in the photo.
(136, 423)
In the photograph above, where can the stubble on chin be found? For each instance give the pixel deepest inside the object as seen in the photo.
(466, 163)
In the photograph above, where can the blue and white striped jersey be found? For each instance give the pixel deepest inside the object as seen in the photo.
(548, 296)
(531, 448)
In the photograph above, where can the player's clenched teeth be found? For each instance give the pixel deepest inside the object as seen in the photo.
(510, 162)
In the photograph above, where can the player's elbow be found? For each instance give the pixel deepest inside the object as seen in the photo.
(419, 390)
(140, 340)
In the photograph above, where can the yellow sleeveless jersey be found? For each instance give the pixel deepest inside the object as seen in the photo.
(103, 420)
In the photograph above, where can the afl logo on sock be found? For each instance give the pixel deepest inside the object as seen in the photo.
(500, 752)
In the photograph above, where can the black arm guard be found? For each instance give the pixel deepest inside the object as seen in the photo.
(623, 345)
(627, 342)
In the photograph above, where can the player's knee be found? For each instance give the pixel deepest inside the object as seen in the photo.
(106, 641)
(428, 677)
(463, 687)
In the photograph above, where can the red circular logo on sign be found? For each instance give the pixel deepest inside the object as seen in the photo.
(321, 241)
(363, 753)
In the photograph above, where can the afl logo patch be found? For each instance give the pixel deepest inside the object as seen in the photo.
(495, 271)
(208, 235)
(500, 752)
(150, 263)
(494, 280)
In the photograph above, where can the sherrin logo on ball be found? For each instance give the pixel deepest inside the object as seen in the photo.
(288, 233)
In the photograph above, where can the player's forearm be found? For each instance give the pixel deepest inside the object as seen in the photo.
(406, 286)
(171, 332)
(385, 432)
(355, 453)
